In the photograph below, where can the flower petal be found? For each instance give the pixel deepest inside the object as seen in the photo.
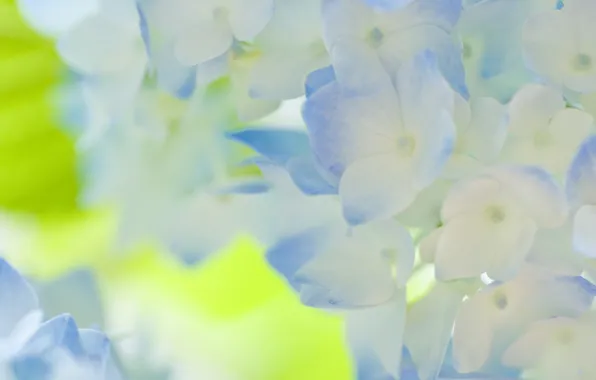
(55, 17)
(375, 336)
(581, 176)
(17, 298)
(375, 188)
(584, 231)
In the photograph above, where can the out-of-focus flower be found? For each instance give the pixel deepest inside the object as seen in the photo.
(55, 349)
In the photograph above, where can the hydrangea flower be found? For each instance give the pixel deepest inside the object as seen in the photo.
(55, 349)
(490, 221)
(380, 166)
(542, 131)
(558, 45)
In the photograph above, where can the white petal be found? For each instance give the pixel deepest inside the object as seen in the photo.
(472, 245)
(375, 188)
(473, 334)
(378, 332)
(528, 349)
(55, 17)
(584, 231)
(248, 18)
(429, 326)
(487, 130)
(532, 107)
(428, 245)
(98, 45)
(470, 196)
(203, 41)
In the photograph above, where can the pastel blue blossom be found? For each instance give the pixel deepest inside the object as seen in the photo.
(581, 191)
(53, 350)
(558, 45)
(365, 46)
(333, 267)
(491, 34)
(384, 147)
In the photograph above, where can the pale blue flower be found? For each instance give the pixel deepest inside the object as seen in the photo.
(490, 221)
(364, 43)
(492, 319)
(383, 147)
(53, 350)
(491, 32)
(558, 45)
(333, 267)
(542, 131)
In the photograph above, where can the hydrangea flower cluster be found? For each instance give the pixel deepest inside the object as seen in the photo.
(56, 349)
(456, 135)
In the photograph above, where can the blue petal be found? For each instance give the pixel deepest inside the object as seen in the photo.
(293, 252)
(452, 67)
(276, 144)
(144, 27)
(31, 368)
(96, 345)
(318, 78)
(248, 187)
(17, 298)
(581, 176)
(60, 332)
(307, 177)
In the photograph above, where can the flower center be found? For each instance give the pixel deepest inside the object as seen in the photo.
(375, 37)
(582, 62)
(467, 51)
(500, 300)
(406, 146)
(495, 214)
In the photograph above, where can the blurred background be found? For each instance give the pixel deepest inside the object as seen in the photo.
(229, 317)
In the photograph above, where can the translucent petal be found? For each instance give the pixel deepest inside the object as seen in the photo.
(470, 196)
(346, 276)
(473, 334)
(60, 332)
(344, 129)
(553, 249)
(428, 245)
(422, 92)
(55, 17)
(319, 78)
(375, 337)
(17, 298)
(278, 145)
(194, 47)
(375, 188)
(98, 45)
(345, 19)
(248, 18)
(584, 231)
(581, 176)
(387, 5)
(290, 254)
(485, 135)
(532, 107)
(429, 325)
